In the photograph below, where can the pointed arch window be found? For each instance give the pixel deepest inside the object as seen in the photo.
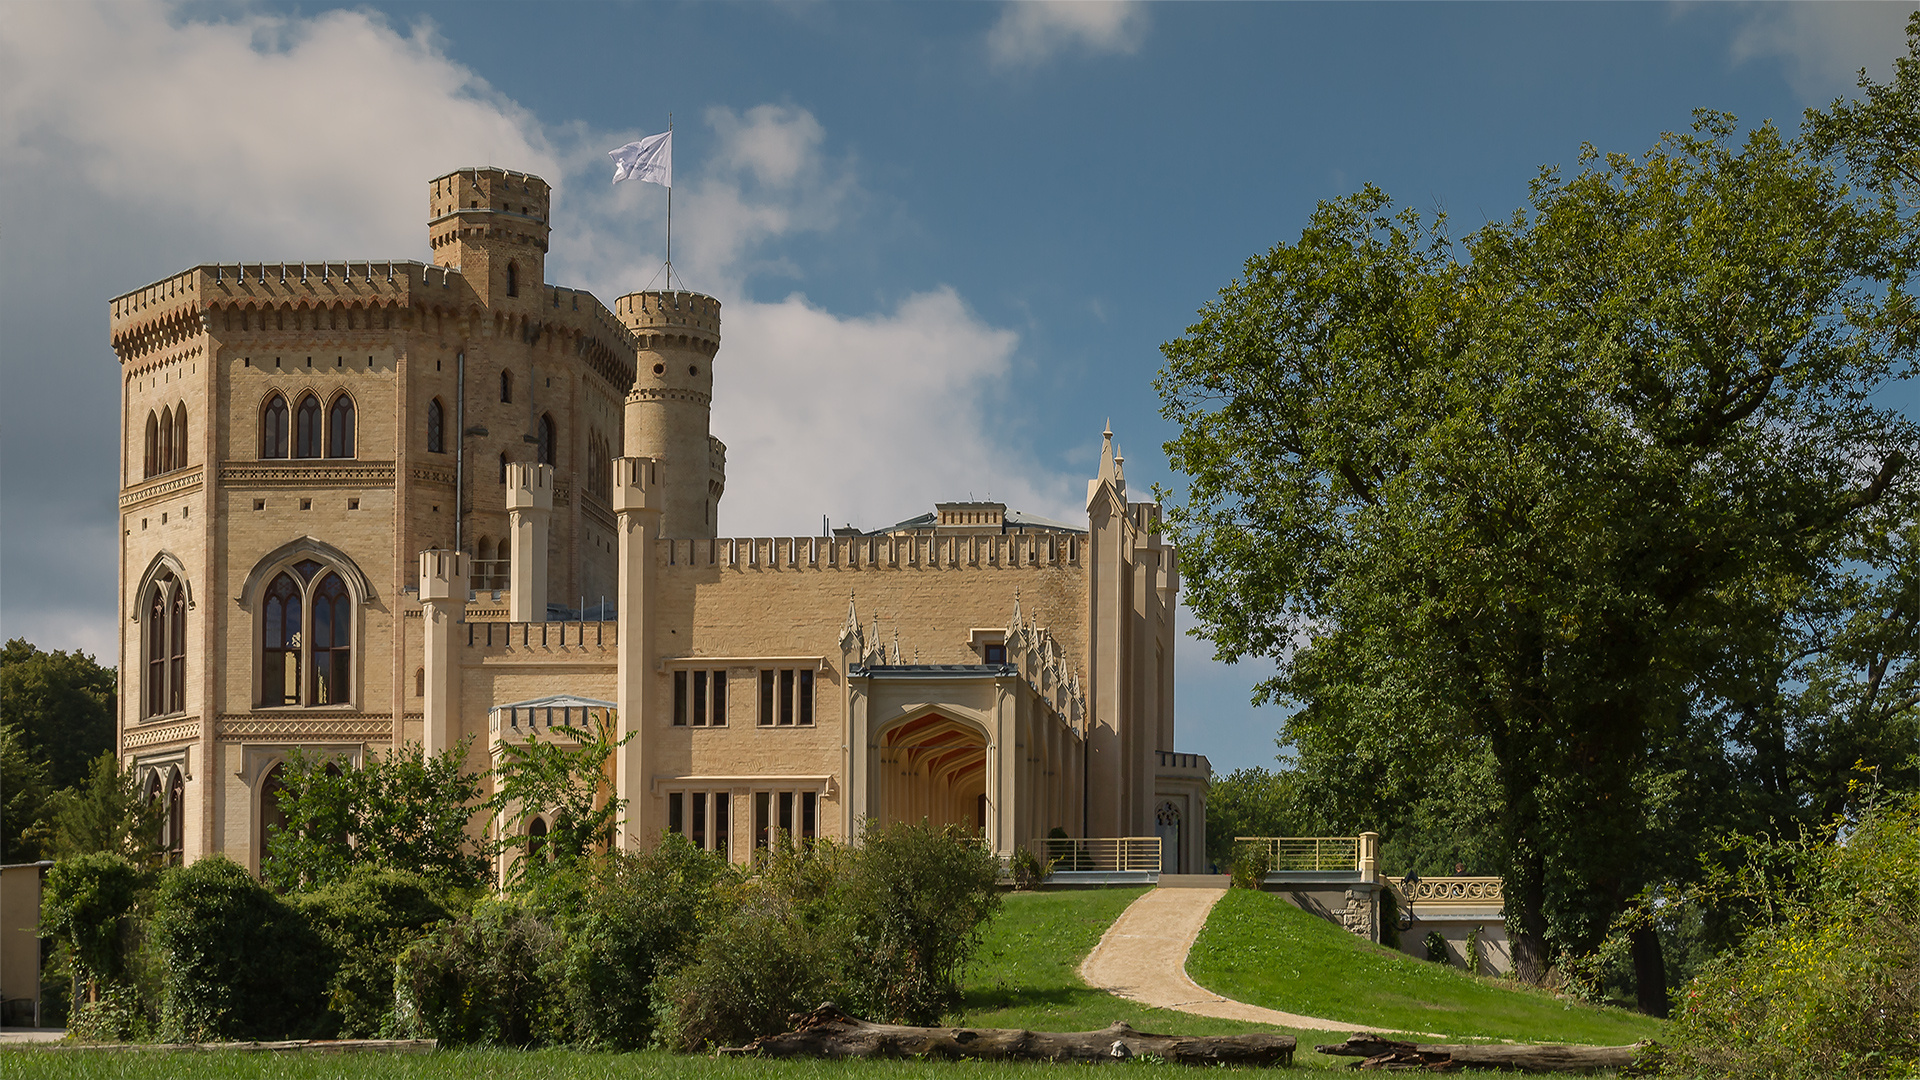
(152, 465)
(165, 629)
(436, 427)
(306, 638)
(273, 428)
(340, 428)
(506, 386)
(546, 439)
(306, 428)
(180, 435)
(166, 440)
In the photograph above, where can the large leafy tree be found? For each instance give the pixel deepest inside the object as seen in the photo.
(61, 704)
(1547, 494)
(403, 810)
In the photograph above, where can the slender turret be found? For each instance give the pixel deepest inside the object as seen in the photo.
(667, 411)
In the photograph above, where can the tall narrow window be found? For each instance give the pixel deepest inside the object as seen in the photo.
(436, 427)
(503, 468)
(166, 440)
(176, 819)
(157, 654)
(679, 699)
(805, 695)
(513, 279)
(699, 699)
(332, 641)
(766, 698)
(536, 838)
(180, 436)
(280, 643)
(273, 816)
(340, 428)
(546, 439)
(152, 465)
(177, 653)
(306, 433)
(722, 810)
(506, 385)
(273, 428)
(786, 697)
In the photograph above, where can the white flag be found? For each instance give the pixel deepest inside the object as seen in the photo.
(650, 159)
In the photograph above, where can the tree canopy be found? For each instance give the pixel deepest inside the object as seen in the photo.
(1585, 492)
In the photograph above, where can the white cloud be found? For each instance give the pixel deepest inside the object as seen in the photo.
(867, 419)
(1825, 44)
(776, 143)
(1030, 32)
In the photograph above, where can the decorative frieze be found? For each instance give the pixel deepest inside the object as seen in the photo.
(178, 731)
(317, 473)
(178, 482)
(270, 726)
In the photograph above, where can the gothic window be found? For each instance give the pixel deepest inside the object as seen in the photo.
(273, 428)
(175, 840)
(306, 638)
(513, 279)
(506, 386)
(340, 428)
(306, 434)
(153, 446)
(165, 619)
(166, 440)
(180, 436)
(273, 817)
(436, 427)
(546, 439)
(536, 837)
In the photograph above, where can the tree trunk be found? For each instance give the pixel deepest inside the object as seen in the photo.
(828, 1032)
(1391, 1055)
(1649, 972)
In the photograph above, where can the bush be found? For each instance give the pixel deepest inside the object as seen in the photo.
(237, 961)
(915, 900)
(626, 920)
(367, 921)
(1251, 863)
(756, 968)
(87, 909)
(1828, 982)
(482, 978)
(1436, 947)
(1027, 869)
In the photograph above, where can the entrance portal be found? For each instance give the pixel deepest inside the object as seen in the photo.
(933, 768)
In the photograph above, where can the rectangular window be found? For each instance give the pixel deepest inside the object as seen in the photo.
(786, 812)
(719, 699)
(705, 818)
(721, 804)
(699, 699)
(766, 697)
(679, 700)
(786, 698)
(699, 833)
(676, 812)
(806, 697)
(809, 815)
(762, 816)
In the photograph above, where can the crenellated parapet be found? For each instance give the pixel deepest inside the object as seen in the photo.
(638, 484)
(1008, 551)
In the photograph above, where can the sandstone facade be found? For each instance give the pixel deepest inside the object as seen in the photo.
(373, 504)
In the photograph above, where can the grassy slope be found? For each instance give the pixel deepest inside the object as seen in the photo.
(1260, 949)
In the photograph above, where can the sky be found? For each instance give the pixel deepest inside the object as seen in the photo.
(950, 238)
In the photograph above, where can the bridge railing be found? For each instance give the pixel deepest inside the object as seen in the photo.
(1294, 854)
(1113, 854)
(1452, 890)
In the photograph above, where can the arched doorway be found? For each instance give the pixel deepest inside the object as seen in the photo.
(933, 768)
(1166, 825)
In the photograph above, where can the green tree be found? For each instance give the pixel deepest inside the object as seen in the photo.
(108, 812)
(24, 792)
(1539, 494)
(401, 811)
(566, 780)
(62, 704)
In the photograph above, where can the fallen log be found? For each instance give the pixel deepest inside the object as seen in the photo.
(1377, 1052)
(828, 1032)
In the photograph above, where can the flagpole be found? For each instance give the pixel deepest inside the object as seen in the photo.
(669, 213)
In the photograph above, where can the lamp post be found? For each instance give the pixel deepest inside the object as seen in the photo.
(1406, 889)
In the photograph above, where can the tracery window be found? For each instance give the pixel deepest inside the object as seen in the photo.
(306, 428)
(306, 638)
(340, 428)
(165, 628)
(273, 428)
(436, 427)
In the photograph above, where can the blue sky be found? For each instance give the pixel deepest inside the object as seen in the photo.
(950, 237)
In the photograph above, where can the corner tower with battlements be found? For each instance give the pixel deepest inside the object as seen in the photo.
(669, 407)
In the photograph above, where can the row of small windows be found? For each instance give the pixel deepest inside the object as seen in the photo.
(308, 435)
(786, 697)
(706, 817)
(166, 440)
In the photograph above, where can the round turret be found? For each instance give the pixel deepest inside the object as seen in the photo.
(668, 409)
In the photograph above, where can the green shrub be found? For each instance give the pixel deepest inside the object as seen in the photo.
(1436, 947)
(1251, 864)
(88, 909)
(367, 920)
(481, 978)
(1827, 983)
(626, 920)
(237, 961)
(762, 963)
(915, 900)
(1027, 869)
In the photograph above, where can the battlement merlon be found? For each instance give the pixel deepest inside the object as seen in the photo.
(693, 314)
(529, 487)
(179, 304)
(444, 575)
(639, 483)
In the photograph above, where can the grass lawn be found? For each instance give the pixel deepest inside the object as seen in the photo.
(1260, 949)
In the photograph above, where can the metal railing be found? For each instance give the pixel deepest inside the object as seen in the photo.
(1457, 890)
(1100, 853)
(1307, 853)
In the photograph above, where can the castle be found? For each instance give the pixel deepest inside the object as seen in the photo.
(372, 504)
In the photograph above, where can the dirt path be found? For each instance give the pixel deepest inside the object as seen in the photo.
(1143, 957)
